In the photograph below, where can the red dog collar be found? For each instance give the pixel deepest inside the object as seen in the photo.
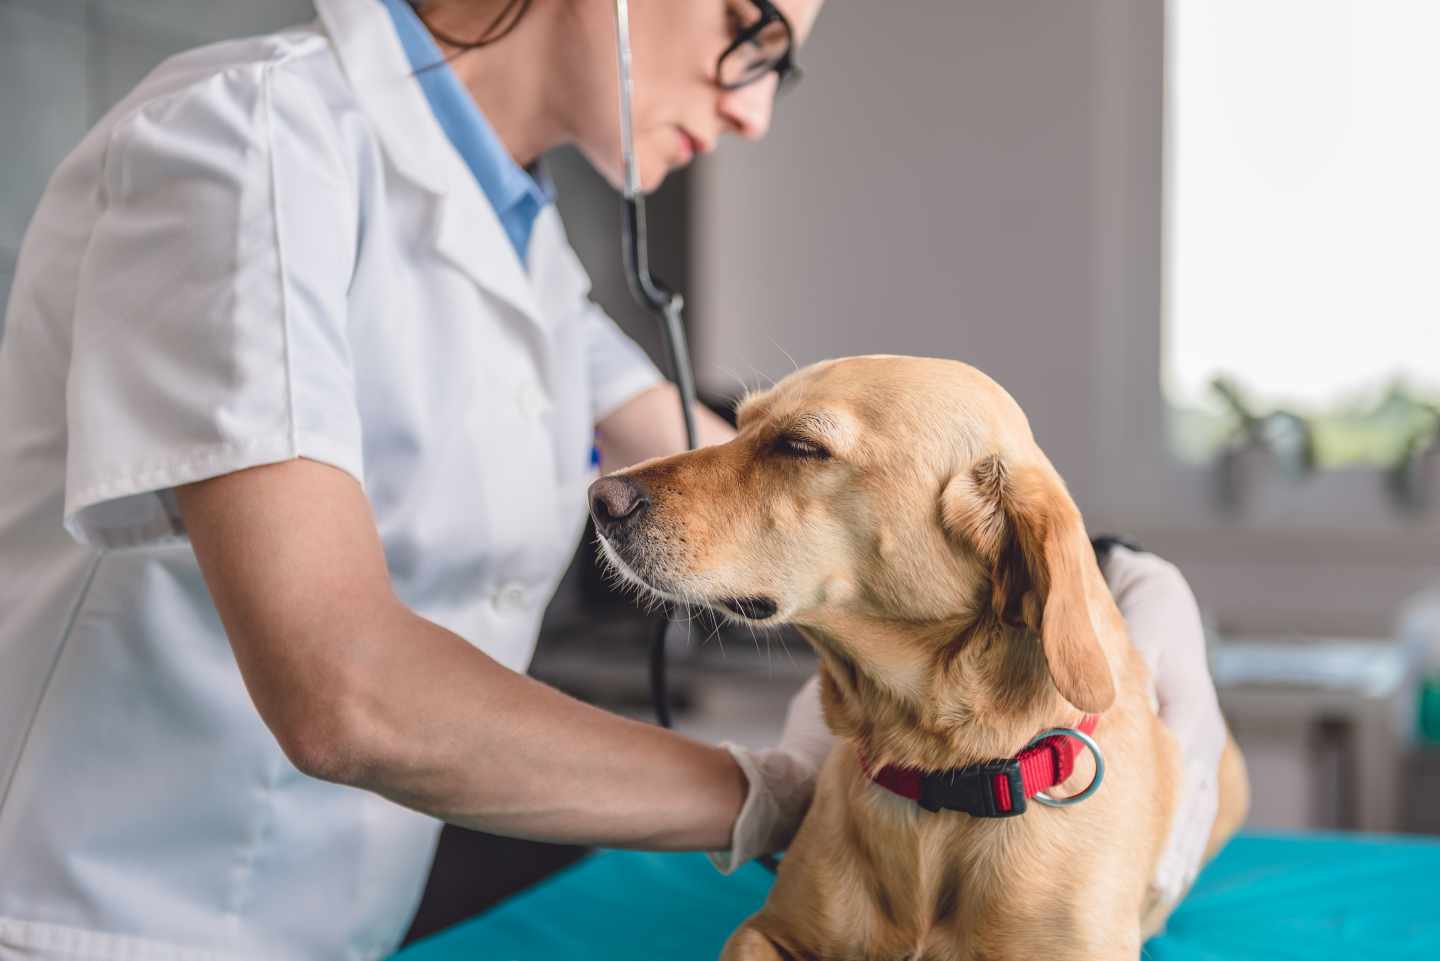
(990, 789)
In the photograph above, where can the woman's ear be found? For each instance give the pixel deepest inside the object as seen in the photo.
(1023, 523)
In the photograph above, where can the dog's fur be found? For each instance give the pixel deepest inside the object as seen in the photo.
(942, 572)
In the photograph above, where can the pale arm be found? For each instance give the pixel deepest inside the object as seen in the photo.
(649, 425)
(360, 690)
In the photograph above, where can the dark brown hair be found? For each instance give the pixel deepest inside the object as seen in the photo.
(498, 29)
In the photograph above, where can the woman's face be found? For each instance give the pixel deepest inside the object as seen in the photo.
(679, 111)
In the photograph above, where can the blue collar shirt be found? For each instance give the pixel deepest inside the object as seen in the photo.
(518, 197)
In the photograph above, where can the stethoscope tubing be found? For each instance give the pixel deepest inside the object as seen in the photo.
(667, 306)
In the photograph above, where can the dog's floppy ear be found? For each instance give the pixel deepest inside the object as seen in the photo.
(1023, 523)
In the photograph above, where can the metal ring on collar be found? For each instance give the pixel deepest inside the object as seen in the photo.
(1094, 784)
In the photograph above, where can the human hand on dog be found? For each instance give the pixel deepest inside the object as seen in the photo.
(1164, 623)
(782, 781)
(1165, 626)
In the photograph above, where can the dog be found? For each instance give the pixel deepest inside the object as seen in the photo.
(898, 513)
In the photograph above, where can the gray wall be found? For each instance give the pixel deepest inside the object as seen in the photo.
(591, 211)
(926, 190)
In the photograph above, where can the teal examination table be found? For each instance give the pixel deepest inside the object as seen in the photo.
(1267, 898)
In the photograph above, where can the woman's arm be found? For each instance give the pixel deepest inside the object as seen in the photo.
(360, 690)
(649, 425)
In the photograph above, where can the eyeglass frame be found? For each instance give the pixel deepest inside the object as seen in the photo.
(785, 68)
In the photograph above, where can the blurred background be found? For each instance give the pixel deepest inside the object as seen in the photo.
(1195, 240)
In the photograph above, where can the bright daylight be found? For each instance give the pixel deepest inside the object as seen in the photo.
(1302, 211)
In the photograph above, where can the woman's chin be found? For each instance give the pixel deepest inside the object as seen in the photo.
(653, 170)
(650, 181)
(653, 174)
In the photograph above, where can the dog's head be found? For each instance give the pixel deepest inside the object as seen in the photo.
(898, 511)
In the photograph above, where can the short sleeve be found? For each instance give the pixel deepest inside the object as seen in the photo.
(210, 319)
(619, 369)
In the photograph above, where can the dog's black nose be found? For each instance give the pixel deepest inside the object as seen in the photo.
(616, 502)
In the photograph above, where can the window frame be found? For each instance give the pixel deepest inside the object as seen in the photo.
(1140, 480)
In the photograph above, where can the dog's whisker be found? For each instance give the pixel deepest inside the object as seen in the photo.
(786, 647)
(755, 639)
(782, 350)
(714, 631)
(716, 624)
(762, 378)
(735, 378)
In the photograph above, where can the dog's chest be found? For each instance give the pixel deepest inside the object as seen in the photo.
(970, 892)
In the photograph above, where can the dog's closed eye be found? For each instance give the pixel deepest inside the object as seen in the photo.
(791, 445)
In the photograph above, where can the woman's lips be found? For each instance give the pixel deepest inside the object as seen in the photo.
(690, 146)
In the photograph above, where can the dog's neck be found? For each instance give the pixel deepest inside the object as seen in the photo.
(983, 696)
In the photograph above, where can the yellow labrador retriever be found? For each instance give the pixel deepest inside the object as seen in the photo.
(898, 512)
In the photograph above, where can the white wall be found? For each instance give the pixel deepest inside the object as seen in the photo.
(980, 179)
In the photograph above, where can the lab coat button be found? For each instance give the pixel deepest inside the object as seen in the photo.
(511, 597)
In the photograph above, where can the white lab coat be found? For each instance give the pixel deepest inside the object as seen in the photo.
(268, 251)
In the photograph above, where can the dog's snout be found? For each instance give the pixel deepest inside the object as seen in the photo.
(617, 502)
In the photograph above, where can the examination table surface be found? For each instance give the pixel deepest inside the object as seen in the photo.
(1312, 897)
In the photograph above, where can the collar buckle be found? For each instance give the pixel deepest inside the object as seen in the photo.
(994, 789)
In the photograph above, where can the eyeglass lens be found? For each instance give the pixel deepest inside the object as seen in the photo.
(756, 56)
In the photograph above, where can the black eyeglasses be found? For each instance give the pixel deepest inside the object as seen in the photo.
(767, 43)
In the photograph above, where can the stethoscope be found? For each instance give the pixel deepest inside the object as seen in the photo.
(667, 306)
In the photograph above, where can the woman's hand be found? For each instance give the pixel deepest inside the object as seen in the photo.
(781, 782)
(1164, 623)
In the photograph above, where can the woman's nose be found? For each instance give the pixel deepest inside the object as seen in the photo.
(747, 110)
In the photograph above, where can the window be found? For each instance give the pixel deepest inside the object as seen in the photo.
(1303, 226)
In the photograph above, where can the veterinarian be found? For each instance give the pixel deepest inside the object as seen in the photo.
(297, 396)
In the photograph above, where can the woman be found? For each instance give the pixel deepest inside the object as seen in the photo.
(296, 407)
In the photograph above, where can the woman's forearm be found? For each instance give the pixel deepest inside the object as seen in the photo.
(454, 734)
(649, 425)
(359, 689)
